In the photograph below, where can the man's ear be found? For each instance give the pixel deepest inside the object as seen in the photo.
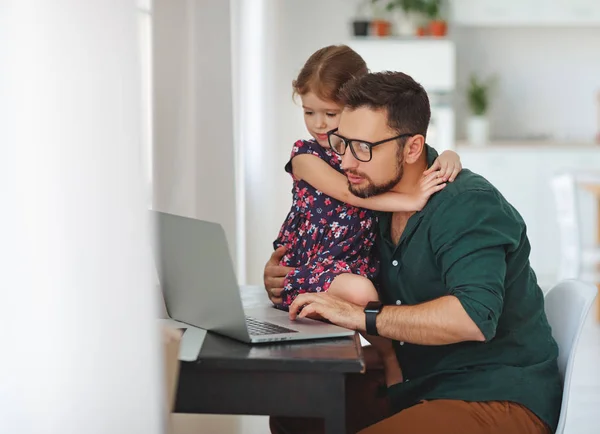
(414, 148)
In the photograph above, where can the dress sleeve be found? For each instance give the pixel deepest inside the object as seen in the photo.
(304, 147)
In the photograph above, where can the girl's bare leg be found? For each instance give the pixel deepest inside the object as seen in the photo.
(360, 290)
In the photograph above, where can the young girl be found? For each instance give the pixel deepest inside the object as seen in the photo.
(329, 233)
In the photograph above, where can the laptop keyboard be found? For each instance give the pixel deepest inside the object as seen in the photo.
(256, 327)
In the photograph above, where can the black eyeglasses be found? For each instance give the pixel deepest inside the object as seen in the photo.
(362, 150)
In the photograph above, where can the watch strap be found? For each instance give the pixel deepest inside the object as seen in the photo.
(371, 322)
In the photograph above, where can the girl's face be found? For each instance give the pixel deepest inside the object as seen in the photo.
(320, 116)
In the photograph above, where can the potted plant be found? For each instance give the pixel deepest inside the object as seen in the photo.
(478, 99)
(437, 25)
(381, 26)
(407, 14)
(360, 25)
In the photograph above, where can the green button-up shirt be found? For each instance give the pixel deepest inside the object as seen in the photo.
(469, 242)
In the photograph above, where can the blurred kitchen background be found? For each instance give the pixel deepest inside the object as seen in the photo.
(514, 88)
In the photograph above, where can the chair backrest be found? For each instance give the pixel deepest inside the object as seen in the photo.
(567, 217)
(567, 305)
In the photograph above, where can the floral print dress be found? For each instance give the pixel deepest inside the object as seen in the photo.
(323, 236)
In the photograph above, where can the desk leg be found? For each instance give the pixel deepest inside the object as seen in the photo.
(335, 416)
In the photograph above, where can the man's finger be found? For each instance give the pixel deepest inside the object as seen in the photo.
(295, 307)
(275, 290)
(274, 282)
(277, 255)
(280, 270)
(309, 309)
(300, 301)
(274, 276)
(276, 271)
(276, 300)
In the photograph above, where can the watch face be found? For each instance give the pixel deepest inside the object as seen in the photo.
(373, 306)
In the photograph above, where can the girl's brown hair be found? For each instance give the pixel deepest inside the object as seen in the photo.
(327, 70)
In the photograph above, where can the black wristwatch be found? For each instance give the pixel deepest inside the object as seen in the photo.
(372, 309)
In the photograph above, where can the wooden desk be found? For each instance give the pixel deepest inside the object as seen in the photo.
(303, 379)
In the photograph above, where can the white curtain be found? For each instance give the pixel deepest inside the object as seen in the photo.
(80, 349)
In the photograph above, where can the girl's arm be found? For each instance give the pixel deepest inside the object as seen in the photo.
(325, 178)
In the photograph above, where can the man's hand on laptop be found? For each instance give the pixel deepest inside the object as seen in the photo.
(337, 310)
(274, 275)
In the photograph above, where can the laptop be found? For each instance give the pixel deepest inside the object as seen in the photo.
(200, 287)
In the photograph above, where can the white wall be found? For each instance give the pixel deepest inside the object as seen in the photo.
(548, 79)
(80, 348)
(194, 162)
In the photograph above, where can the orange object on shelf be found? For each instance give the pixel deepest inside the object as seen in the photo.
(438, 28)
(381, 27)
(421, 31)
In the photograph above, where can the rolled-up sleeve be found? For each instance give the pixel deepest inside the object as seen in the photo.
(471, 236)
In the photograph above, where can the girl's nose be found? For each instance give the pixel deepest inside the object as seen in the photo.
(322, 122)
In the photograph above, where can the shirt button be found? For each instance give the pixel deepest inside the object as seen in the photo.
(398, 302)
(395, 263)
(401, 343)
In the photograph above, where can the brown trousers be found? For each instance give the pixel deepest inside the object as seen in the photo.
(367, 411)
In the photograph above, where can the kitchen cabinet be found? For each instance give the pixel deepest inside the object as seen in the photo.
(431, 61)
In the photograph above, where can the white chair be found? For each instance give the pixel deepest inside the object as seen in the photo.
(577, 261)
(567, 305)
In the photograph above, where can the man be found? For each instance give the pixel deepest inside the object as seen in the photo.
(460, 300)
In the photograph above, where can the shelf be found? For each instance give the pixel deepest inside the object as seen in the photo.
(394, 38)
(528, 145)
(530, 13)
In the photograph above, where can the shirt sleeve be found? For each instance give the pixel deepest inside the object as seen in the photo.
(471, 236)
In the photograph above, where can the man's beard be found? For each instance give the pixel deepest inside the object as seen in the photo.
(373, 189)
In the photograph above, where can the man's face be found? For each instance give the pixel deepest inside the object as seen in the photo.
(384, 171)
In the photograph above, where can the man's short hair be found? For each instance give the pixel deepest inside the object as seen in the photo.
(404, 100)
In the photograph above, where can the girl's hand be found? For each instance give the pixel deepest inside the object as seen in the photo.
(448, 164)
(429, 184)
